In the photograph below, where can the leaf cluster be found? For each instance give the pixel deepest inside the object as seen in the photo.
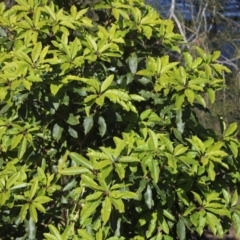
(99, 137)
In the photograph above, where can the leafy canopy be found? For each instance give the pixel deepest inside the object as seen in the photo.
(99, 134)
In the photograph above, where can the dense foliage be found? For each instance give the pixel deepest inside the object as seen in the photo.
(99, 135)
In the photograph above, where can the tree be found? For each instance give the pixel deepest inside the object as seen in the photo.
(211, 25)
(99, 134)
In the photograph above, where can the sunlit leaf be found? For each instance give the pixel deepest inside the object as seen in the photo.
(71, 171)
(80, 160)
(106, 209)
(22, 148)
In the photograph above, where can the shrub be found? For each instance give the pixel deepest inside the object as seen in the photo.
(99, 134)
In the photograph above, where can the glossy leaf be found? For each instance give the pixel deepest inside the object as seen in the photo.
(234, 200)
(88, 124)
(33, 189)
(54, 231)
(230, 130)
(106, 210)
(102, 126)
(71, 171)
(133, 63)
(57, 132)
(80, 160)
(22, 148)
(84, 234)
(107, 82)
(148, 197)
(181, 229)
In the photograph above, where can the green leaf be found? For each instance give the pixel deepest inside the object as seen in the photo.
(91, 42)
(30, 228)
(85, 235)
(88, 124)
(87, 181)
(212, 220)
(153, 139)
(72, 132)
(236, 220)
(27, 84)
(164, 225)
(102, 177)
(43, 52)
(49, 236)
(179, 101)
(145, 114)
(72, 120)
(22, 148)
(197, 197)
(129, 195)
(95, 196)
(128, 159)
(181, 229)
(145, 72)
(168, 215)
(216, 55)
(106, 210)
(231, 130)
(201, 53)
(234, 200)
(3, 93)
(120, 171)
(102, 126)
(36, 51)
(50, 12)
(226, 195)
(54, 231)
(23, 211)
(168, 67)
(220, 211)
(80, 160)
(179, 150)
(16, 140)
(136, 97)
(133, 63)
(42, 199)
(71, 171)
(211, 172)
(155, 170)
(13, 179)
(88, 209)
(33, 213)
(68, 232)
(211, 95)
(55, 88)
(76, 45)
(189, 210)
(33, 189)
(39, 207)
(148, 197)
(234, 148)
(118, 204)
(107, 82)
(151, 225)
(188, 58)
(190, 95)
(57, 132)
